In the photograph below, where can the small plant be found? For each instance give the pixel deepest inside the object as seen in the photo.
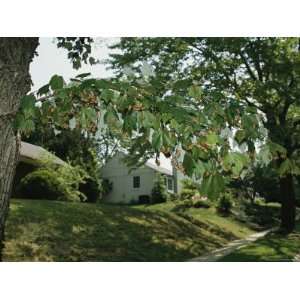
(225, 203)
(189, 189)
(159, 192)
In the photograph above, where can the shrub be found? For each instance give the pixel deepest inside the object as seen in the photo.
(40, 184)
(173, 197)
(90, 189)
(70, 178)
(144, 199)
(189, 189)
(159, 193)
(106, 186)
(225, 203)
(54, 182)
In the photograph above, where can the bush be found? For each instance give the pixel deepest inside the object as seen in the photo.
(107, 186)
(192, 203)
(225, 203)
(91, 189)
(40, 184)
(159, 193)
(173, 197)
(54, 182)
(189, 189)
(144, 199)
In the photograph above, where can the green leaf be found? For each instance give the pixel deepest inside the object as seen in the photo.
(27, 106)
(188, 164)
(249, 122)
(157, 140)
(102, 84)
(167, 139)
(87, 115)
(240, 136)
(286, 167)
(212, 139)
(149, 120)
(195, 92)
(277, 150)
(130, 122)
(28, 102)
(43, 90)
(235, 162)
(56, 82)
(212, 186)
(25, 126)
(107, 95)
(205, 185)
(200, 169)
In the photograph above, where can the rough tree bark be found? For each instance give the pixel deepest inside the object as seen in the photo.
(15, 56)
(288, 203)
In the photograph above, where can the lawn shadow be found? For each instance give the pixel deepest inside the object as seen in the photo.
(58, 231)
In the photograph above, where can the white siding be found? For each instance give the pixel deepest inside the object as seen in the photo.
(118, 174)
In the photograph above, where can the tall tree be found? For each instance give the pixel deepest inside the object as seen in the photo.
(16, 54)
(259, 74)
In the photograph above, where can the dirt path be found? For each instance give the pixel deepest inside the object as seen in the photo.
(237, 244)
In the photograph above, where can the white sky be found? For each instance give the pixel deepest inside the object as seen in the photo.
(51, 60)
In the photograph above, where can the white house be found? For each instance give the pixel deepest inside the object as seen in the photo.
(136, 186)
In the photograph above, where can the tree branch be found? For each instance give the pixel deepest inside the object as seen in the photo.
(257, 62)
(254, 105)
(252, 75)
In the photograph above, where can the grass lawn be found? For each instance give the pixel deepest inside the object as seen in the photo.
(274, 247)
(39, 230)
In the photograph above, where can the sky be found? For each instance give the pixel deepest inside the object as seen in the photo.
(51, 60)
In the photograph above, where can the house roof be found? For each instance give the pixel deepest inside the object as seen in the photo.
(33, 154)
(165, 166)
(159, 168)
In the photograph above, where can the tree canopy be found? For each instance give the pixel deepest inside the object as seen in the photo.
(212, 104)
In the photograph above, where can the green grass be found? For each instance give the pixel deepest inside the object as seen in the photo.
(208, 218)
(39, 230)
(274, 247)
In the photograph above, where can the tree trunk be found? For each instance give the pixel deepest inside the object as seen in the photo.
(288, 203)
(15, 57)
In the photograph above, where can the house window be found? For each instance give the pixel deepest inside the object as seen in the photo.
(170, 184)
(136, 182)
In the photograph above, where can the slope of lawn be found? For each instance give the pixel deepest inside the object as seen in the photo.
(274, 247)
(226, 227)
(39, 230)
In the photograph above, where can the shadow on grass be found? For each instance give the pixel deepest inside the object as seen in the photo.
(274, 248)
(58, 231)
